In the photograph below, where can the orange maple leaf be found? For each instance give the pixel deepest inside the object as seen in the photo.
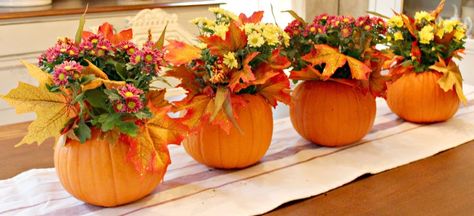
(179, 53)
(333, 59)
(107, 30)
(235, 39)
(245, 75)
(256, 17)
(276, 89)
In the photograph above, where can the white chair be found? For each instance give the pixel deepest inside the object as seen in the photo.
(156, 20)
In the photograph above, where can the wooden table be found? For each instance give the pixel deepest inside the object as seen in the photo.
(439, 185)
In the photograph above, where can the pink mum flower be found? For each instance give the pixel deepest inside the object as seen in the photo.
(60, 77)
(119, 106)
(133, 105)
(63, 72)
(128, 47)
(129, 91)
(136, 57)
(149, 56)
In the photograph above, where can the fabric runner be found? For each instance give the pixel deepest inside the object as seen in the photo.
(292, 169)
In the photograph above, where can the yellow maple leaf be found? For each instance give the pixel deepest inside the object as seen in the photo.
(34, 71)
(53, 111)
(101, 78)
(451, 77)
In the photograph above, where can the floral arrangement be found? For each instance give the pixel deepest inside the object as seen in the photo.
(339, 48)
(236, 55)
(101, 81)
(421, 43)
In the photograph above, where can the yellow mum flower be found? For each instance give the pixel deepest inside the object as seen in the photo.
(202, 21)
(249, 27)
(230, 61)
(255, 39)
(221, 30)
(226, 13)
(395, 21)
(398, 36)
(426, 34)
(389, 38)
(460, 33)
(270, 34)
(440, 33)
(423, 15)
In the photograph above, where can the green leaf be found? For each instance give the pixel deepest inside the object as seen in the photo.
(144, 114)
(108, 121)
(296, 16)
(96, 98)
(80, 28)
(112, 94)
(161, 41)
(83, 132)
(128, 128)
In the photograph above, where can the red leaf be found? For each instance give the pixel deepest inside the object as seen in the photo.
(278, 61)
(308, 73)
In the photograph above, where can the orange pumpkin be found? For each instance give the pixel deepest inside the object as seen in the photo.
(97, 172)
(417, 97)
(329, 113)
(212, 146)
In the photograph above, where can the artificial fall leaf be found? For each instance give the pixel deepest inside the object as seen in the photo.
(278, 61)
(277, 89)
(435, 13)
(296, 16)
(333, 59)
(156, 99)
(409, 24)
(415, 51)
(256, 17)
(187, 78)
(101, 78)
(181, 53)
(235, 39)
(94, 70)
(143, 154)
(307, 73)
(222, 94)
(165, 130)
(53, 111)
(451, 77)
(245, 75)
(107, 30)
(42, 77)
(196, 109)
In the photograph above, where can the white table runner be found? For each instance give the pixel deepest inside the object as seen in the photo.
(293, 168)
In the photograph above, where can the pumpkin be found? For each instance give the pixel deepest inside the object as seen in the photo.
(417, 97)
(212, 146)
(331, 114)
(98, 172)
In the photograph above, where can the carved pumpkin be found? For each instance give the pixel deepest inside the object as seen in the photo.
(329, 113)
(417, 97)
(97, 172)
(212, 146)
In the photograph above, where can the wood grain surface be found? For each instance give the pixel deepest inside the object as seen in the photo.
(439, 185)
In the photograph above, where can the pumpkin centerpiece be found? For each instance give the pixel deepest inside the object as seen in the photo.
(426, 83)
(233, 77)
(112, 128)
(336, 59)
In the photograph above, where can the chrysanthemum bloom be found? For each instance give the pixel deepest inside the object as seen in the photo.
(423, 15)
(61, 77)
(149, 56)
(395, 21)
(255, 40)
(129, 91)
(119, 106)
(127, 47)
(133, 105)
(136, 57)
(230, 60)
(426, 34)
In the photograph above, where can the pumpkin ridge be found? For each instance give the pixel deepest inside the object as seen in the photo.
(112, 165)
(252, 146)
